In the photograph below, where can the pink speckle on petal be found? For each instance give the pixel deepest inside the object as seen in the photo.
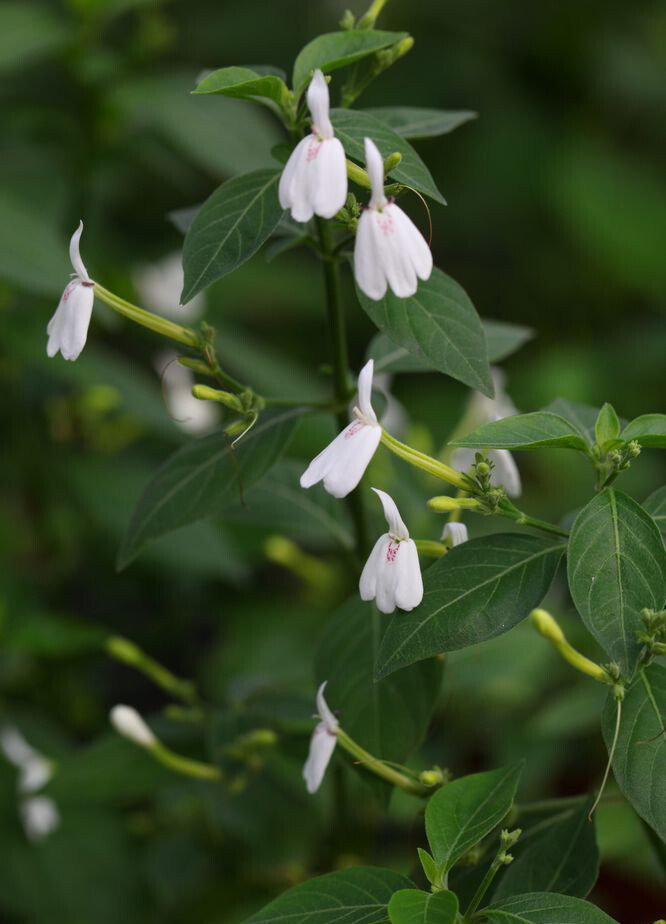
(385, 222)
(352, 429)
(313, 150)
(70, 288)
(392, 551)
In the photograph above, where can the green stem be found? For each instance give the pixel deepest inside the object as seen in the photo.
(481, 891)
(338, 338)
(427, 463)
(147, 319)
(611, 754)
(126, 651)
(507, 509)
(185, 766)
(380, 769)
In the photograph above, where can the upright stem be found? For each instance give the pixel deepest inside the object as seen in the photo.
(338, 337)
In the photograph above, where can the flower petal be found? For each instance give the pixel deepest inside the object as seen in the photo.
(505, 472)
(293, 189)
(318, 104)
(329, 180)
(364, 388)
(322, 745)
(367, 584)
(75, 256)
(374, 163)
(409, 583)
(455, 533)
(414, 243)
(325, 713)
(342, 463)
(368, 270)
(397, 528)
(68, 328)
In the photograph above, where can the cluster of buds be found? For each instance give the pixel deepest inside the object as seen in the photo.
(653, 635)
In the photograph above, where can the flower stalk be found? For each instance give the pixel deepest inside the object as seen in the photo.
(381, 769)
(427, 463)
(122, 649)
(545, 625)
(147, 319)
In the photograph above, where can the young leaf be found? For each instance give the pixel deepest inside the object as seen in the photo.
(639, 763)
(352, 127)
(460, 814)
(562, 857)
(388, 718)
(413, 122)
(655, 505)
(481, 589)
(411, 906)
(537, 430)
(243, 83)
(607, 426)
(229, 228)
(334, 50)
(203, 477)
(502, 339)
(360, 894)
(649, 430)
(582, 416)
(616, 566)
(439, 325)
(429, 866)
(544, 908)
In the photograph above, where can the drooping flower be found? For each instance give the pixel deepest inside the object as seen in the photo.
(39, 814)
(128, 723)
(342, 464)
(68, 328)
(322, 744)
(484, 410)
(390, 249)
(314, 180)
(40, 817)
(454, 534)
(392, 574)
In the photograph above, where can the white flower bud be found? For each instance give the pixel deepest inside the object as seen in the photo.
(129, 723)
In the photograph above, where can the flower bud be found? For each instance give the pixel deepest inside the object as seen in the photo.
(392, 161)
(446, 504)
(544, 623)
(129, 724)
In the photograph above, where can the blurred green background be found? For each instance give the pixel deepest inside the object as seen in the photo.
(556, 219)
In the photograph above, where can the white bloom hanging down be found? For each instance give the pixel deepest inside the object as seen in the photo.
(322, 744)
(39, 814)
(342, 464)
(454, 534)
(392, 574)
(314, 180)
(40, 817)
(128, 723)
(68, 328)
(390, 249)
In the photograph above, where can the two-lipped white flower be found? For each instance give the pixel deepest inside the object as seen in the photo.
(314, 180)
(392, 574)
(390, 249)
(484, 410)
(342, 464)
(454, 534)
(68, 328)
(39, 814)
(322, 744)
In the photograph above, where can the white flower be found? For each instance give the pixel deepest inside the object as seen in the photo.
(314, 180)
(40, 817)
(188, 413)
(159, 286)
(35, 770)
(483, 410)
(389, 247)
(392, 574)
(322, 744)
(129, 723)
(342, 464)
(454, 534)
(68, 328)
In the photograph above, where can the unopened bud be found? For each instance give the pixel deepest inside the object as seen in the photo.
(634, 448)
(206, 393)
(392, 161)
(544, 623)
(434, 777)
(347, 21)
(482, 469)
(128, 723)
(446, 504)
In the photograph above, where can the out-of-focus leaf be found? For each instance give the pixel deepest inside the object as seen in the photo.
(389, 717)
(353, 127)
(439, 325)
(229, 228)
(481, 589)
(33, 255)
(334, 50)
(28, 31)
(537, 430)
(49, 635)
(205, 476)
(414, 122)
(617, 566)
(361, 892)
(639, 762)
(460, 814)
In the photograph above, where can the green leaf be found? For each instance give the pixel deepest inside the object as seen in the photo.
(229, 228)
(582, 416)
(352, 127)
(242, 83)
(390, 717)
(562, 857)
(28, 31)
(203, 477)
(439, 325)
(429, 866)
(413, 122)
(544, 908)
(639, 763)
(33, 256)
(502, 340)
(359, 895)
(411, 906)
(616, 566)
(477, 591)
(606, 426)
(537, 430)
(655, 505)
(334, 50)
(648, 429)
(461, 813)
